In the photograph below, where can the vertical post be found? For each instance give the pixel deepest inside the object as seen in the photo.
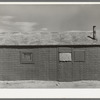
(94, 32)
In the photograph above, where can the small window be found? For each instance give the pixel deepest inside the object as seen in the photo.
(65, 57)
(79, 56)
(26, 57)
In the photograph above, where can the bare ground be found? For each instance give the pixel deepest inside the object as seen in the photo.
(49, 84)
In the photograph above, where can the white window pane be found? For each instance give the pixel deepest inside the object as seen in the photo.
(65, 57)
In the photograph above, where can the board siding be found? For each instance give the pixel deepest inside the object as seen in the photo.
(11, 67)
(53, 64)
(93, 63)
(46, 64)
(43, 68)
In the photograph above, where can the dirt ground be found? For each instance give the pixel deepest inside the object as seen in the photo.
(49, 84)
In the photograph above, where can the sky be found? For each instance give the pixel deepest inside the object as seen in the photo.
(57, 18)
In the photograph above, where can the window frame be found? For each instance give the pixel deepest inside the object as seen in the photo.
(22, 61)
(79, 51)
(66, 60)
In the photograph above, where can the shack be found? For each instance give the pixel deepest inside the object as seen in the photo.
(52, 56)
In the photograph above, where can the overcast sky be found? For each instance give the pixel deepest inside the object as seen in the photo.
(28, 18)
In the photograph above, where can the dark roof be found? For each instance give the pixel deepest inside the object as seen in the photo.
(50, 38)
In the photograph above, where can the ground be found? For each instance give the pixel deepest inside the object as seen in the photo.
(49, 84)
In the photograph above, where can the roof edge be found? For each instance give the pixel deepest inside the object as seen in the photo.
(31, 46)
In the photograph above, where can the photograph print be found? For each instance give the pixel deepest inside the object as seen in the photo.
(49, 46)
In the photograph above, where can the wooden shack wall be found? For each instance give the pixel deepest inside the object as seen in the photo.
(92, 69)
(46, 65)
(42, 68)
(89, 69)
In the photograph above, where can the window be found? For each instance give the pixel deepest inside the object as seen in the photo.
(65, 57)
(79, 56)
(26, 57)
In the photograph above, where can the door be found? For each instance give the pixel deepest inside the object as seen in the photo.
(78, 64)
(65, 64)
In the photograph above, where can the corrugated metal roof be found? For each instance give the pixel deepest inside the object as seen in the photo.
(49, 38)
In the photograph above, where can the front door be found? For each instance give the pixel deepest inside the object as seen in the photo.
(79, 69)
(65, 64)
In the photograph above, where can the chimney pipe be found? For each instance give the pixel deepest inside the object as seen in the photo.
(94, 32)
